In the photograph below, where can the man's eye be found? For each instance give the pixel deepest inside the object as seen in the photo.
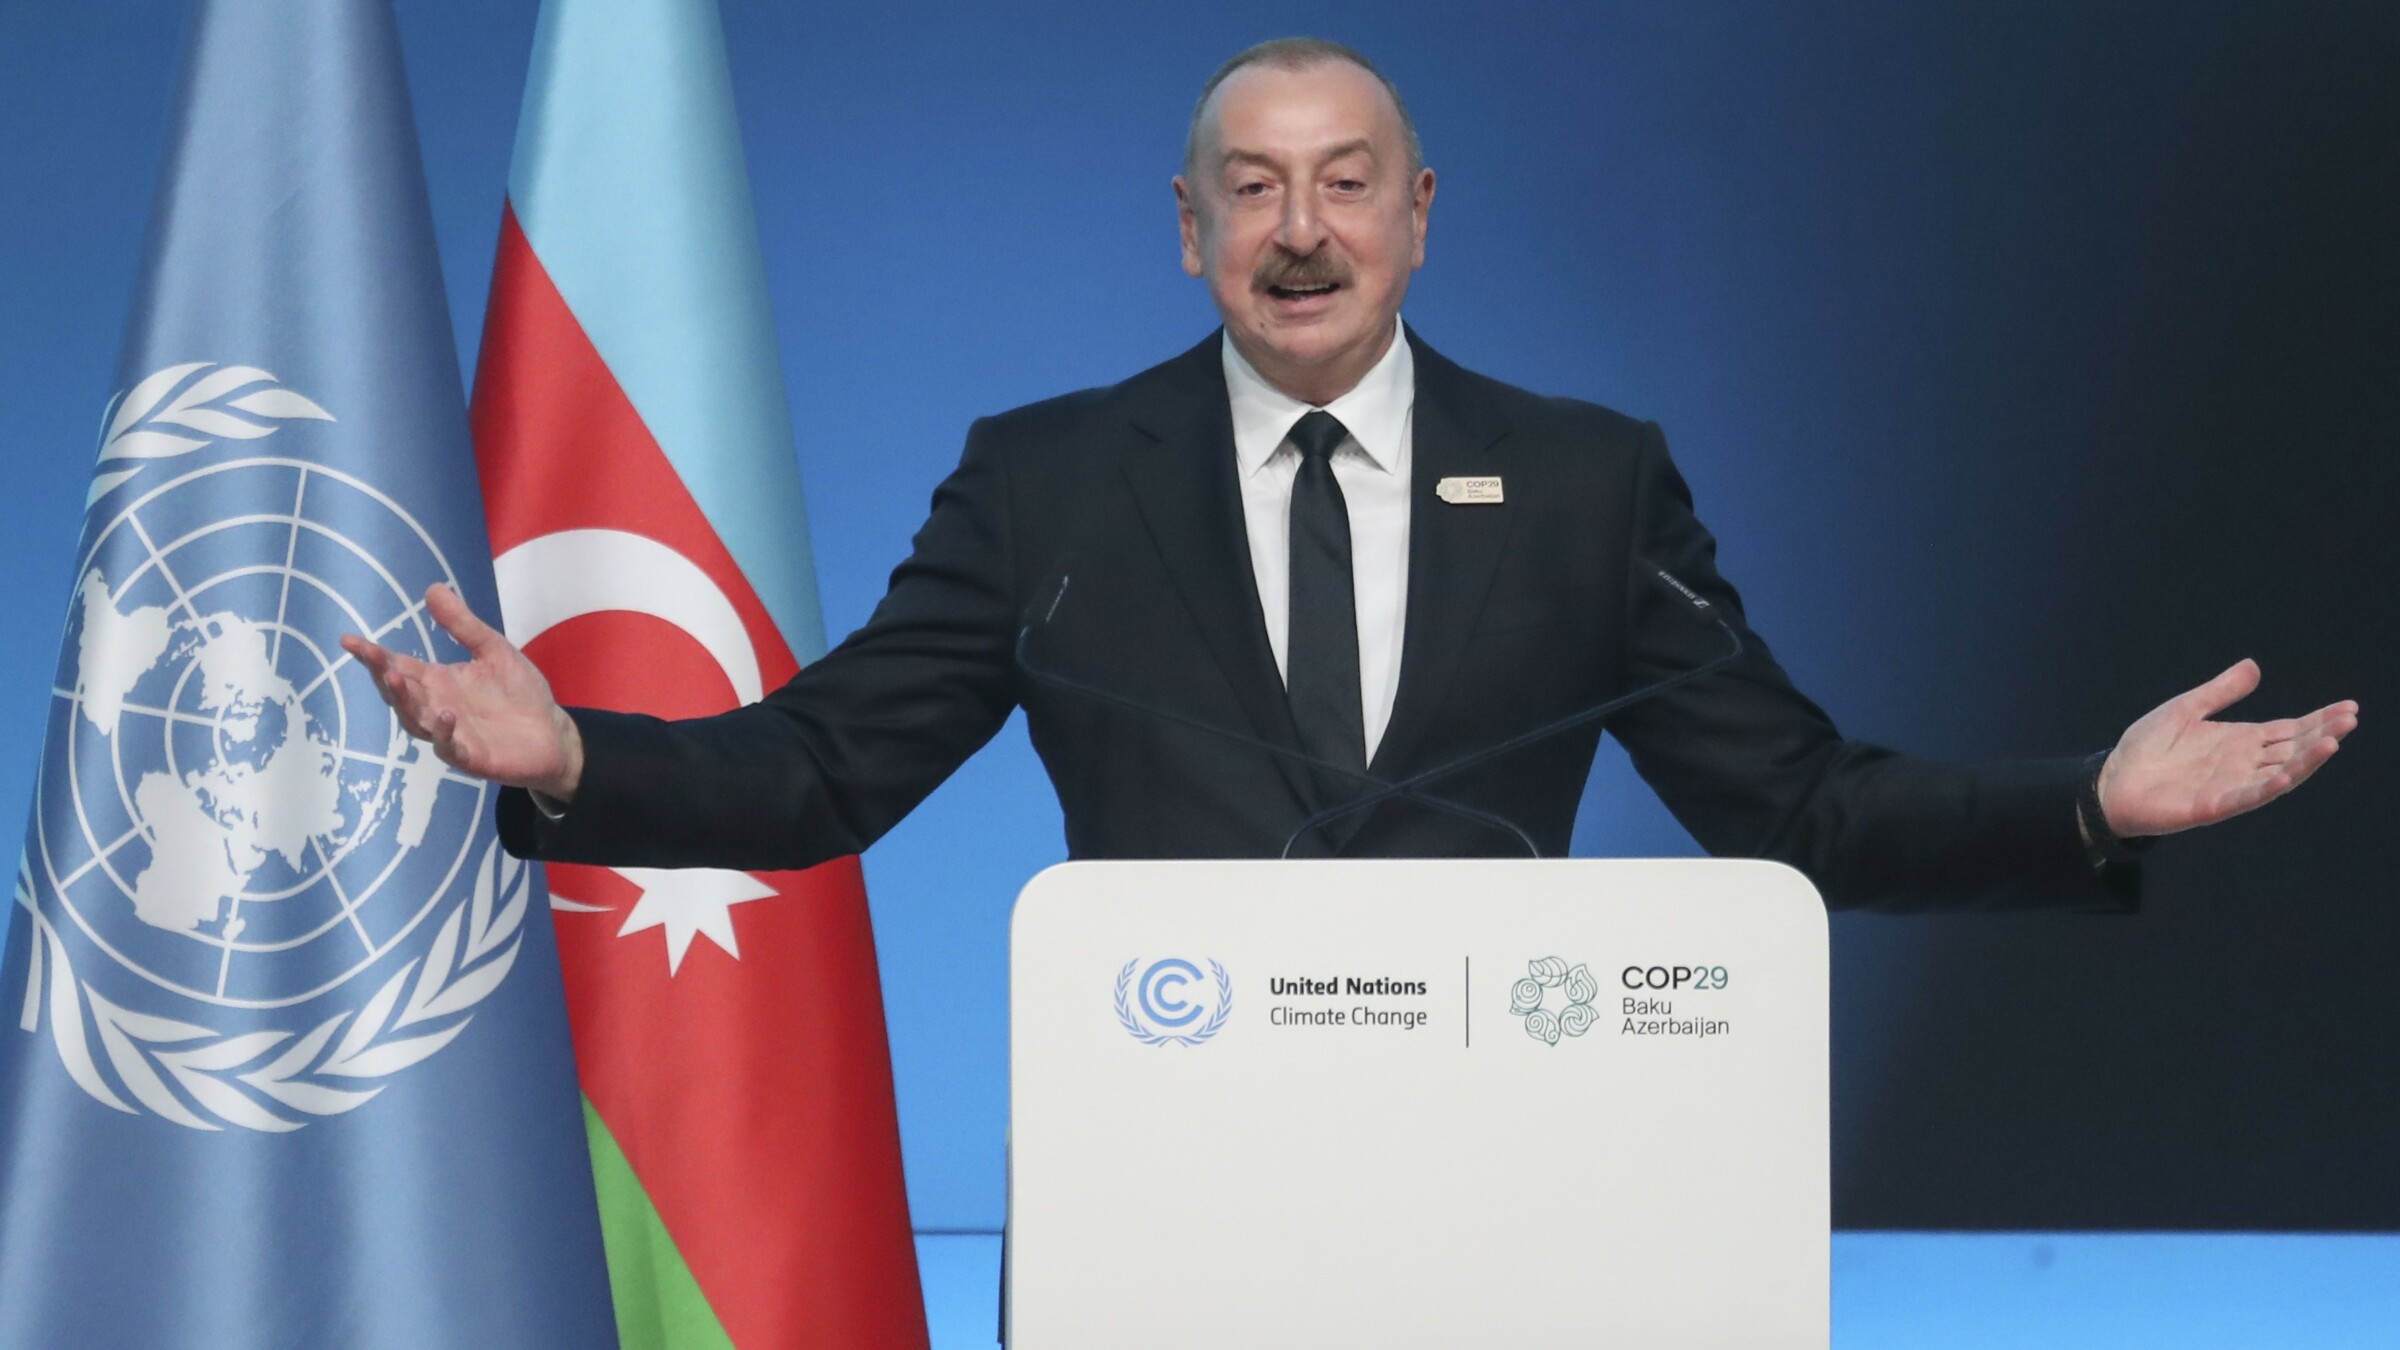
(1349, 185)
(1253, 189)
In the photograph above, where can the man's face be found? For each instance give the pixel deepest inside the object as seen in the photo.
(1301, 213)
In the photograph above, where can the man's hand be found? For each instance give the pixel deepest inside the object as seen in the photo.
(2175, 769)
(491, 716)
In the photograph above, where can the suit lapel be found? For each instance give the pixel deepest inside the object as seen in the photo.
(1191, 503)
(1184, 483)
(1453, 550)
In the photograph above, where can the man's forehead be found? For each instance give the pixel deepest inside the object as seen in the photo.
(1319, 110)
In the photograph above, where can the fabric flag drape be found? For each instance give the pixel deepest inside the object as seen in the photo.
(644, 500)
(285, 1058)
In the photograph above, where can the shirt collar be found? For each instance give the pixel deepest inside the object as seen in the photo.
(1375, 411)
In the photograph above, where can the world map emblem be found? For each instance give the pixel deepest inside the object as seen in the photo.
(253, 897)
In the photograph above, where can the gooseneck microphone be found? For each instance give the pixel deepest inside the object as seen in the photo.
(1039, 618)
(1411, 785)
(1379, 790)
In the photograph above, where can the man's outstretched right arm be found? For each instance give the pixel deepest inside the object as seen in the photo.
(818, 768)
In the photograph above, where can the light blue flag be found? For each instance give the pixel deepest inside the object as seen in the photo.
(283, 1057)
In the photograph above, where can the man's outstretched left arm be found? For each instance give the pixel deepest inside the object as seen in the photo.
(1754, 769)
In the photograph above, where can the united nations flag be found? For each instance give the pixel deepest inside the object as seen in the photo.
(286, 1061)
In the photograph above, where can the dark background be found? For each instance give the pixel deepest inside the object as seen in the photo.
(2033, 362)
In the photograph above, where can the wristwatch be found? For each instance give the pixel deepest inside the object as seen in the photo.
(2101, 842)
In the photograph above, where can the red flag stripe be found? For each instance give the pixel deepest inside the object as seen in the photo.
(753, 1097)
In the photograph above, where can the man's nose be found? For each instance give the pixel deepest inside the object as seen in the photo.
(1302, 230)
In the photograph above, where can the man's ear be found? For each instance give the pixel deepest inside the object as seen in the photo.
(1187, 219)
(1421, 204)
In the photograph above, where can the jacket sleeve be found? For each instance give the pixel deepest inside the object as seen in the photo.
(1754, 769)
(824, 765)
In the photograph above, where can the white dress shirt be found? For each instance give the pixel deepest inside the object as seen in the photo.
(1372, 467)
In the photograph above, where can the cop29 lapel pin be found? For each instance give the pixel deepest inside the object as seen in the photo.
(1469, 491)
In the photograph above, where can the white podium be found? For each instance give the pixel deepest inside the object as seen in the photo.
(1418, 1103)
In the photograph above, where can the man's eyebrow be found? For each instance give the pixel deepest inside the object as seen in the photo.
(1361, 146)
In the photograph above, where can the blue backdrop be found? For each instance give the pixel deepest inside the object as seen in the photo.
(2032, 362)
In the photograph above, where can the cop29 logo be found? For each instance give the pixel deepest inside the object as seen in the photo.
(1171, 1002)
(1554, 999)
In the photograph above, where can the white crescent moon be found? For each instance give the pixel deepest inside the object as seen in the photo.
(552, 578)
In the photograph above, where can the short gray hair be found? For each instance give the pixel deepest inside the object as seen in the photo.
(1300, 53)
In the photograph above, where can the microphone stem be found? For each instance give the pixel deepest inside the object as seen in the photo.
(1407, 786)
(1411, 787)
(1383, 790)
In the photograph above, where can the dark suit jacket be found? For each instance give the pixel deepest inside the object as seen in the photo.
(1518, 613)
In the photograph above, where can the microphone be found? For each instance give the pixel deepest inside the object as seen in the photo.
(1039, 616)
(1694, 604)
(1380, 790)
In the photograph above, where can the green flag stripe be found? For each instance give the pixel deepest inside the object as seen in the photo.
(659, 1304)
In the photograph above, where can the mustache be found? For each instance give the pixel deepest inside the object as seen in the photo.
(1294, 271)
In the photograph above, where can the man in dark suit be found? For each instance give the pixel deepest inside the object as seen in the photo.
(1315, 531)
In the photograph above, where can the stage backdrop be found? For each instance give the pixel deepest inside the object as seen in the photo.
(2032, 362)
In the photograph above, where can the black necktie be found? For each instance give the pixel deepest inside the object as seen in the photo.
(1321, 657)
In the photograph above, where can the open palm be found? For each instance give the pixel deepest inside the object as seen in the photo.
(491, 715)
(2175, 769)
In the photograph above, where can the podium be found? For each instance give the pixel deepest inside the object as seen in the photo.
(1418, 1103)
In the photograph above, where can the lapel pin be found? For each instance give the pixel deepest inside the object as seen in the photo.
(1469, 491)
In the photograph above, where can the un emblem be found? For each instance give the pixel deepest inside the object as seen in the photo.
(1172, 1003)
(228, 814)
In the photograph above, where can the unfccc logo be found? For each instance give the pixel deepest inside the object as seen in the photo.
(1172, 1003)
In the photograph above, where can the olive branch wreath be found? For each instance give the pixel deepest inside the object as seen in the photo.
(1209, 1028)
(469, 958)
(145, 425)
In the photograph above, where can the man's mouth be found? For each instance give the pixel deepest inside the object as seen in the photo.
(1304, 290)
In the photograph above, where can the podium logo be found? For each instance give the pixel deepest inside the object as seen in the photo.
(1171, 1003)
(1554, 999)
